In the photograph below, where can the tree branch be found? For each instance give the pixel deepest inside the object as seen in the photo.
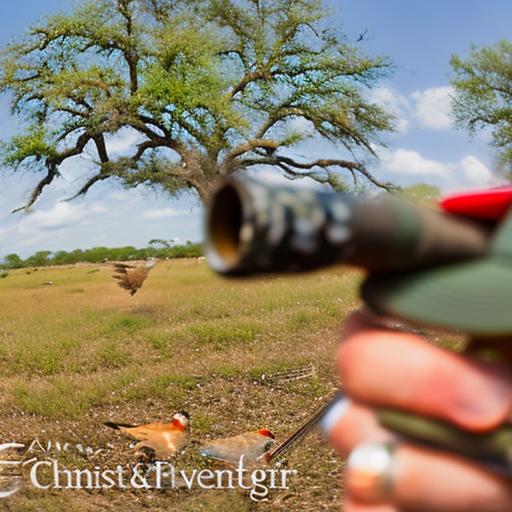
(144, 146)
(85, 188)
(149, 120)
(101, 147)
(141, 148)
(293, 167)
(269, 145)
(246, 80)
(52, 165)
(51, 174)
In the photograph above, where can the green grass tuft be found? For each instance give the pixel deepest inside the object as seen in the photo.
(221, 334)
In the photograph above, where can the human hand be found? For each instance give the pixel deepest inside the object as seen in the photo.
(382, 367)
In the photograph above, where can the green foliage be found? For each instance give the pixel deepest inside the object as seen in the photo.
(483, 92)
(211, 87)
(422, 193)
(33, 146)
(13, 261)
(103, 254)
(39, 259)
(160, 242)
(187, 74)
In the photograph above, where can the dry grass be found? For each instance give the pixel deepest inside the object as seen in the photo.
(82, 351)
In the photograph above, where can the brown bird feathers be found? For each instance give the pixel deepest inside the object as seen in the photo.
(132, 277)
(164, 439)
(250, 445)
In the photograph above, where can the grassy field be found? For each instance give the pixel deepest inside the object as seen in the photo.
(82, 351)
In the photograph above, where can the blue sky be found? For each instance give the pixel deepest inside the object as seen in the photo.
(418, 36)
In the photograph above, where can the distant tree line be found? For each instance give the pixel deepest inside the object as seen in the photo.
(103, 254)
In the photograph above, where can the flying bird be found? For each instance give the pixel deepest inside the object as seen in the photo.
(252, 445)
(130, 277)
(163, 439)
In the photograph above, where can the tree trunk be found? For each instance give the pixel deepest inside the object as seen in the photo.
(203, 183)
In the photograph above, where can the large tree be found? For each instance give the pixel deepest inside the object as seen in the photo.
(211, 86)
(483, 95)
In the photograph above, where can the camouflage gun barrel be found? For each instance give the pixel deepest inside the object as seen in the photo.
(252, 227)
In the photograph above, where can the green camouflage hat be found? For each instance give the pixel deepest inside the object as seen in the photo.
(474, 296)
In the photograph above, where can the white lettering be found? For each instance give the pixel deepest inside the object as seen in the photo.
(33, 474)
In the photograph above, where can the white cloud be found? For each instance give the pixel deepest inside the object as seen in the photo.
(60, 215)
(430, 108)
(468, 172)
(433, 107)
(411, 163)
(301, 126)
(129, 194)
(395, 104)
(43, 226)
(163, 213)
(123, 141)
(120, 195)
(475, 171)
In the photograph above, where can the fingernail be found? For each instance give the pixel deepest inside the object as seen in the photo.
(482, 400)
(370, 470)
(336, 412)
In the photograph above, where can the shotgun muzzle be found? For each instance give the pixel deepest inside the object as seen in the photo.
(253, 226)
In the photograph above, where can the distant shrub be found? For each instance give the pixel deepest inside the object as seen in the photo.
(103, 254)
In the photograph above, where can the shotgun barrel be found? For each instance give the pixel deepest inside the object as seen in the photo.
(253, 226)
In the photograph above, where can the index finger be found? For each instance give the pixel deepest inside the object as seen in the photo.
(403, 370)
